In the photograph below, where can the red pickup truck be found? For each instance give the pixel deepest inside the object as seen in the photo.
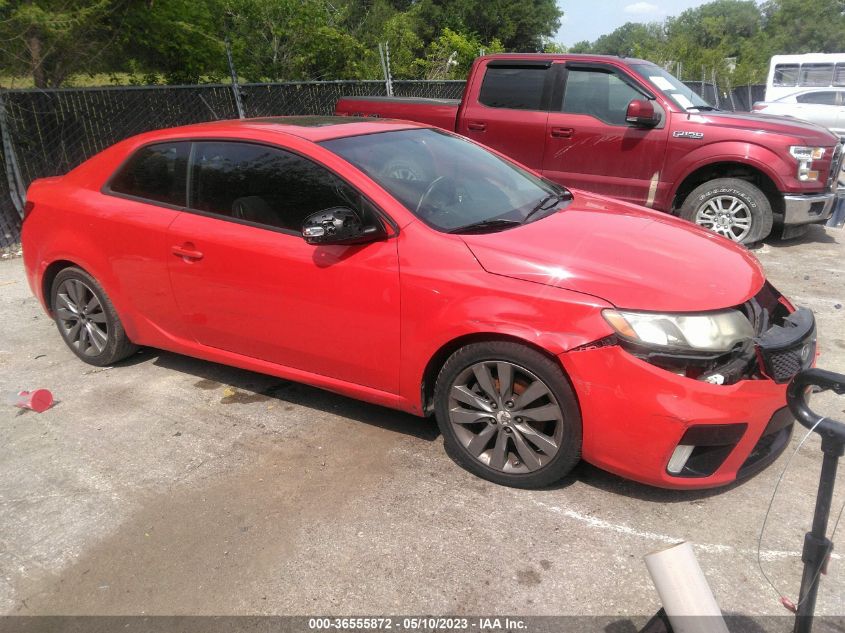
(628, 129)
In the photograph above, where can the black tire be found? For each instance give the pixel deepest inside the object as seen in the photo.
(702, 207)
(526, 364)
(115, 344)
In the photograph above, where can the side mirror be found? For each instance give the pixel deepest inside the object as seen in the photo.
(641, 113)
(337, 226)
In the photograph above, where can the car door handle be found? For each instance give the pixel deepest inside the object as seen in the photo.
(562, 132)
(186, 251)
(477, 127)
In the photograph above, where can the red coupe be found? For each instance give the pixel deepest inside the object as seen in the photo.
(539, 325)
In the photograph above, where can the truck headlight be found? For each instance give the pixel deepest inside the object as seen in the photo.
(717, 331)
(805, 157)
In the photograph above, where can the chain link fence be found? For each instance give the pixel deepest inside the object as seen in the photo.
(52, 131)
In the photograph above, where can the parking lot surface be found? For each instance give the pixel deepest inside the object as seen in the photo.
(168, 485)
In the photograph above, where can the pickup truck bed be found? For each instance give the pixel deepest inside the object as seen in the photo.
(442, 113)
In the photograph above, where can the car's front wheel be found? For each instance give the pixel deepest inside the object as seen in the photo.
(508, 414)
(733, 208)
(87, 319)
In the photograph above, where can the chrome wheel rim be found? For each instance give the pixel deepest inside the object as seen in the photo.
(728, 216)
(505, 417)
(81, 317)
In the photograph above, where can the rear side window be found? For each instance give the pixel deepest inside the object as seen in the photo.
(155, 172)
(515, 88)
(264, 185)
(786, 75)
(818, 98)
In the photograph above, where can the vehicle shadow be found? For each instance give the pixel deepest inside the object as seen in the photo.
(816, 233)
(240, 386)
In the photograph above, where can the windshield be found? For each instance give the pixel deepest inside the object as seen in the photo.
(450, 183)
(670, 86)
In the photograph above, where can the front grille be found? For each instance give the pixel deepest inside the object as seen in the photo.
(787, 349)
(835, 167)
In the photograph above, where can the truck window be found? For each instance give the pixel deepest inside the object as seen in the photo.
(816, 75)
(786, 74)
(515, 88)
(839, 75)
(600, 94)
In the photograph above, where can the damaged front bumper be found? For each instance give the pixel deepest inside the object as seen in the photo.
(688, 421)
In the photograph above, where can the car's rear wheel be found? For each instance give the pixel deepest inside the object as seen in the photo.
(87, 319)
(508, 414)
(733, 208)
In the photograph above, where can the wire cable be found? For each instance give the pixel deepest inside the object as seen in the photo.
(784, 600)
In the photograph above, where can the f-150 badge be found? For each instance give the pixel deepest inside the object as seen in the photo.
(685, 134)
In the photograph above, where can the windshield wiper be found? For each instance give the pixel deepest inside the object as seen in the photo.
(548, 202)
(486, 225)
(704, 108)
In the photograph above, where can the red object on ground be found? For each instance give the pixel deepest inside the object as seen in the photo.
(38, 400)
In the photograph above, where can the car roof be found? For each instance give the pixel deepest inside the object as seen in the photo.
(585, 57)
(311, 128)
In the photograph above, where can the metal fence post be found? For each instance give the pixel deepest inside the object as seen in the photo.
(17, 191)
(236, 89)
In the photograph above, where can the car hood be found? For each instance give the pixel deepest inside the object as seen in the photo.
(630, 256)
(809, 133)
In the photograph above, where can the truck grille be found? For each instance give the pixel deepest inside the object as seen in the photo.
(835, 168)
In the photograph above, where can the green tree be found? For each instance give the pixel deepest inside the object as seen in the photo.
(805, 26)
(451, 55)
(292, 39)
(50, 40)
(520, 25)
(181, 40)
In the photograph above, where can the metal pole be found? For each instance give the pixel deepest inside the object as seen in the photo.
(387, 65)
(17, 191)
(715, 88)
(817, 547)
(236, 89)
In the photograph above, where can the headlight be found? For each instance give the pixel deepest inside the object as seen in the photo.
(805, 157)
(709, 331)
(807, 153)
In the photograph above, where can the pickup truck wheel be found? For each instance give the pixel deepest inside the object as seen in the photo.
(508, 414)
(731, 207)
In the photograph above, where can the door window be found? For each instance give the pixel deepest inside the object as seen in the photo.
(515, 88)
(155, 172)
(264, 185)
(600, 94)
(827, 97)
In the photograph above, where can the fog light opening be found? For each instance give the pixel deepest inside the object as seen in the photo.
(679, 458)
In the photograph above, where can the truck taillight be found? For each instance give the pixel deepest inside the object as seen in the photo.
(28, 206)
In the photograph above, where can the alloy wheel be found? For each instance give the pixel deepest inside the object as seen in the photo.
(728, 216)
(81, 317)
(505, 417)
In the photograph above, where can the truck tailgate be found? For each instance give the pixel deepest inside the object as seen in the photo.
(441, 113)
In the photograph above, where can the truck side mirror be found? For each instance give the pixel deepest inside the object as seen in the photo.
(641, 113)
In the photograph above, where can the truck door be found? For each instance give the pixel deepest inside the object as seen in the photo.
(590, 146)
(509, 114)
